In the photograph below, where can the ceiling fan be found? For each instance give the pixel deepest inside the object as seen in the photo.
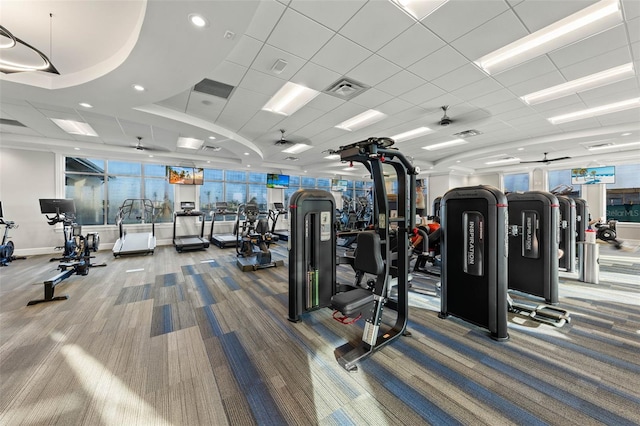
(471, 117)
(287, 141)
(546, 160)
(139, 147)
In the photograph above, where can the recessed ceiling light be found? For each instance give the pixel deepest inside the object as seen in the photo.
(75, 127)
(297, 148)
(361, 120)
(77, 149)
(520, 149)
(212, 137)
(582, 24)
(290, 98)
(411, 134)
(588, 82)
(503, 161)
(198, 20)
(248, 165)
(444, 144)
(85, 105)
(150, 155)
(208, 161)
(189, 143)
(138, 87)
(596, 111)
(626, 134)
(419, 9)
(612, 146)
(246, 153)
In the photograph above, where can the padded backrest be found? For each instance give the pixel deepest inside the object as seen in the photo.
(262, 227)
(368, 256)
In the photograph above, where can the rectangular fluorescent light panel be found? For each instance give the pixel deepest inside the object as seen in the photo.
(503, 161)
(297, 148)
(444, 144)
(419, 9)
(75, 127)
(596, 111)
(189, 143)
(613, 146)
(361, 120)
(411, 134)
(592, 81)
(290, 98)
(587, 22)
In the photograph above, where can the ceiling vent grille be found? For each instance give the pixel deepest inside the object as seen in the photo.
(291, 158)
(9, 122)
(214, 88)
(211, 148)
(345, 88)
(468, 133)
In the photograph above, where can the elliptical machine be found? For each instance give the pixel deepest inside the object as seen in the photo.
(7, 247)
(252, 240)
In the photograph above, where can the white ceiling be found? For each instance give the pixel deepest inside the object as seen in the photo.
(102, 48)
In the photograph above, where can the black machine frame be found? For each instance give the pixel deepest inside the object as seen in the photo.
(567, 241)
(222, 240)
(189, 242)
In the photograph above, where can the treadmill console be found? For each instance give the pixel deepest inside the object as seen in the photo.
(279, 207)
(187, 206)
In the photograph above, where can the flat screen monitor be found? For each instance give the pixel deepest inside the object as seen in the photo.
(339, 185)
(185, 175)
(593, 175)
(57, 206)
(277, 181)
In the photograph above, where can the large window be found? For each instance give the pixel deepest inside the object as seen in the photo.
(98, 188)
(516, 182)
(233, 187)
(623, 196)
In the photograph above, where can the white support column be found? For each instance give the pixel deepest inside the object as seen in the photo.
(596, 197)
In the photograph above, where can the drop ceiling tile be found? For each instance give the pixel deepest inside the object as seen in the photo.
(324, 102)
(411, 46)
(394, 106)
(178, 102)
(597, 63)
(205, 106)
(538, 83)
(331, 14)
(456, 18)
(506, 106)
(492, 98)
(494, 34)
(376, 24)
(270, 54)
(245, 51)
(554, 105)
(261, 121)
(422, 94)
(371, 98)
(262, 83)
(315, 76)
(373, 70)
(635, 49)
(299, 35)
(621, 117)
(265, 19)
(523, 72)
(477, 89)
(300, 119)
(592, 46)
(459, 77)
(438, 63)
(228, 73)
(400, 83)
(627, 89)
(340, 54)
(633, 29)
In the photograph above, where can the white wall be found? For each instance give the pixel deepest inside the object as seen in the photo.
(25, 177)
(492, 179)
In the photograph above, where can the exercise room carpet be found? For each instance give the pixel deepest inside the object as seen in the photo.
(189, 339)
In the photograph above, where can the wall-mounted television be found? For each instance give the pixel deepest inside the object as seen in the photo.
(593, 175)
(277, 181)
(339, 185)
(185, 175)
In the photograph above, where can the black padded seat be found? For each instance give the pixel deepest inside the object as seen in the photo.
(368, 259)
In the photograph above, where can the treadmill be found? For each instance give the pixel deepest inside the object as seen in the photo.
(135, 242)
(189, 242)
(222, 240)
(278, 209)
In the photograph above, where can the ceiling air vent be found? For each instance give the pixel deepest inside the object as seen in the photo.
(467, 133)
(211, 148)
(9, 122)
(345, 88)
(291, 158)
(214, 88)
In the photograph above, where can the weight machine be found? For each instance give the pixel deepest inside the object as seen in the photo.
(252, 240)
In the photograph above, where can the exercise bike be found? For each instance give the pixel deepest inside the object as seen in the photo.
(252, 240)
(6, 248)
(607, 233)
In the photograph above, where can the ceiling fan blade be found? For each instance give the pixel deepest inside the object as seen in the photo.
(558, 159)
